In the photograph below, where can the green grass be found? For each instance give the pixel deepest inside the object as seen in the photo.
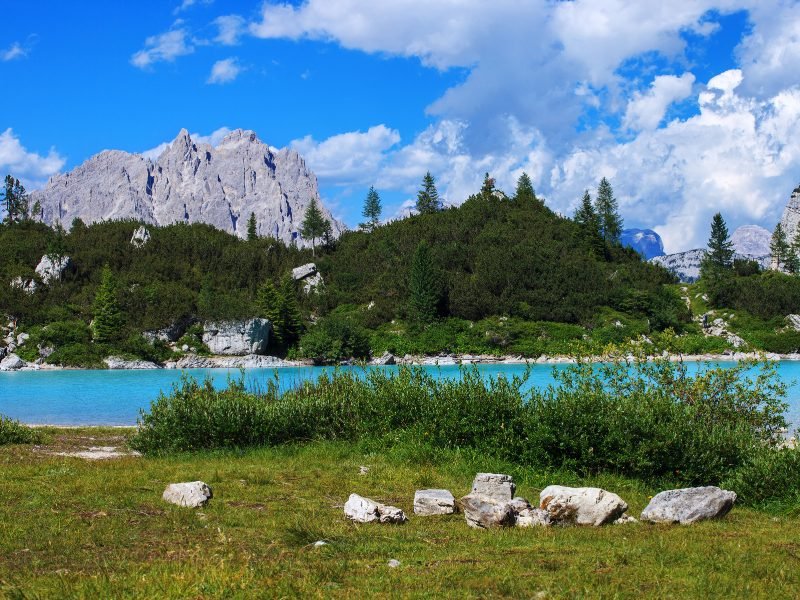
(75, 529)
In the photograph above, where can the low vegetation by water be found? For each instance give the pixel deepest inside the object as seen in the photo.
(647, 420)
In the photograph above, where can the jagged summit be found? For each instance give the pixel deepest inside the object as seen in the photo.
(190, 182)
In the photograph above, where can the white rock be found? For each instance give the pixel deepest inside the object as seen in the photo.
(12, 362)
(191, 182)
(140, 237)
(364, 510)
(393, 563)
(191, 494)
(581, 506)
(483, 512)
(434, 502)
(237, 338)
(626, 519)
(494, 485)
(313, 283)
(119, 363)
(689, 505)
(794, 321)
(22, 338)
(533, 517)
(304, 271)
(387, 358)
(320, 543)
(26, 285)
(52, 268)
(790, 221)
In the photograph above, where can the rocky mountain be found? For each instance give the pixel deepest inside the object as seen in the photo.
(791, 215)
(686, 265)
(751, 240)
(645, 241)
(190, 182)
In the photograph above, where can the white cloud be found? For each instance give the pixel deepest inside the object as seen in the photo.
(31, 168)
(187, 4)
(230, 29)
(224, 71)
(14, 51)
(353, 157)
(164, 47)
(647, 109)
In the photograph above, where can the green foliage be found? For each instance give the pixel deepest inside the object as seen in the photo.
(608, 212)
(314, 224)
(717, 265)
(487, 189)
(16, 200)
(525, 191)
(252, 227)
(768, 476)
(335, 338)
(14, 432)
(782, 251)
(767, 295)
(590, 228)
(108, 318)
(424, 286)
(372, 210)
(428, 196)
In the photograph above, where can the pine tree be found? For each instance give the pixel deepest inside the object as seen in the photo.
(718, 261)
(21, 201)
(314, 225)
(268, 301)
(16, 200)
(108, 318)
(428, 196)
(589, 223)
(780, 249)
(252, 228)
(56, 245)
(424, 288)
(372, 210)
(795, 251)
(290, 318)
(608, 212)
(525, 191)
(8, 198)
(487, 189)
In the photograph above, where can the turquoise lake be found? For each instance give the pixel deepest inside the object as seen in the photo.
(116, 397)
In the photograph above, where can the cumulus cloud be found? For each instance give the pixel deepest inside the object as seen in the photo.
(230, 28)
(224, 71)
(646, 110)
(187, 4)
(164, 47)
(31, 168)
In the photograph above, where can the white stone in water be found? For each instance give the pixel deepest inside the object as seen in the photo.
(434, 502)
(191, 494)
(494, 485)
(581, 506)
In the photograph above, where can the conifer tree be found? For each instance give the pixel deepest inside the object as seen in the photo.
(108, 318)
(16, 200)
(795, 251)
(314, 225)
(268, 302)
(252, 227)
(718, 261)
(524, 191)
(291, 321)
(781, 250)
(488, 185)
(372, 210)
(608, 212)
(56, 246)
(424, 288)
(428, 196)
(589, 222)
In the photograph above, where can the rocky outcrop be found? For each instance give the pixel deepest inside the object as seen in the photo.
(686, 265)
(793, 321)
(581, 506)
(483, 512)
(645, 241)
(434, 502)
(12, 362)
(140, 237)
(364, 510)
(384, 360)
(119, 363)
(790, 220)
(26, 285)
(191, 182)
(689, 505)
(495, 486)
(191, 494)
(309, 276)
(751, 240)
(52, 268)
(237, 338)
(249, 361)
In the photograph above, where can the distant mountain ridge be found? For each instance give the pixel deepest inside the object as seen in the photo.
(645, 241)
(191, 182)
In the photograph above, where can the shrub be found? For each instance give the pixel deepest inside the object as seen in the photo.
(769, 475)
(85, 355)
(14, 432)
(335, 338)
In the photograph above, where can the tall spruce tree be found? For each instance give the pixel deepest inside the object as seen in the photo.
(608, 212)
(314, 225)
(795, 250)
(589, 222)
(424, 286)
(524, 191)
(252, 228)
(268, 302)
(718, 261)
(372, 210)
(780, 249)
(428, 196)
(15, 199)
(108, 318)
(290, 318)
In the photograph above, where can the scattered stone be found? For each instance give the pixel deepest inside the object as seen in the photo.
(689, 505)
(98, 453)
(45, 351)
(320, 543)
(22, 338)
(385, 359)
(313, 283)
(494, 485)
(581, 506)
(237, 338)
(484, 512)
(618, 324)
(362, 470)
(12, 362)
(533, 517)
(364, 510)
(626, 519)
(140, 237)
(119, 363)
(52, 268)
(303, 271)
(26, 285)
(434, 502)
(191, 494)
(394, 563)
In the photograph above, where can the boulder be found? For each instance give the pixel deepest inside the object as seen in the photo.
(22, 338)
(794, 322)
(483, 512)
(304, 271)
(385, 359)
(434, 502)
(313, 283)
(140, 237)
(581, 506)
(118, 363)
(689, 505)
(51, 268)
(12, 362)
(191, 494)
(26, 285)
(533, 517)
(3, 352)
(169, 334)
(364, 510)
(494, 485)
(237, 338)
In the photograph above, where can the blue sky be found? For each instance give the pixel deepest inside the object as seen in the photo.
(688, 107)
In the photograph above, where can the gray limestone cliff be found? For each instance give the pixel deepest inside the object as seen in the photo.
(790, 221)
(191, 182)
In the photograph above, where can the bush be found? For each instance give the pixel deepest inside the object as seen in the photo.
(335, 338)
(770, 475)
(84, 355)
(14, 432)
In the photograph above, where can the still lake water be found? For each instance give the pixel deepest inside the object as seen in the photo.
(116, 397)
